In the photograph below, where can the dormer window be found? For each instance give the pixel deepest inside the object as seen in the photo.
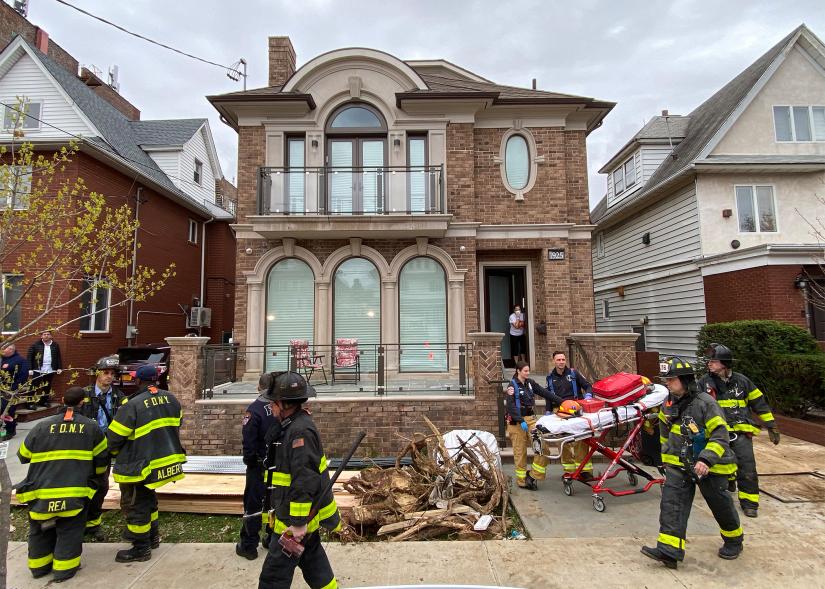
(624, 177)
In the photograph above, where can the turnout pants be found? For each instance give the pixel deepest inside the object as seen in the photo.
(253, 499)
(521, 441)
(139, 505)
(573, 455)
(95, 512)
(55, 545)
(747, 481)
(677, 499)
(279, 569)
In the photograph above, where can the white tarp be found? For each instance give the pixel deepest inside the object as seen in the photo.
(454, 439)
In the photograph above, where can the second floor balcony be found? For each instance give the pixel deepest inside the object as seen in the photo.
(335, 202)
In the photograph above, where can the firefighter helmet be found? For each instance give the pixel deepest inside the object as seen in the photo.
(108, 363)
(674, 366)
(569, 409)
(721, 353)
(288, 386)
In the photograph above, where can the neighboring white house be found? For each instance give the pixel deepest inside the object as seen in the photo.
(704, 219)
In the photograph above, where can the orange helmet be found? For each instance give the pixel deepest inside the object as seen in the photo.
(569, 409)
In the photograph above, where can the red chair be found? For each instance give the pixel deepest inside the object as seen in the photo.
(305, 362)
(346, 357)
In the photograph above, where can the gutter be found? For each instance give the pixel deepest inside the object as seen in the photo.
(203, 264)
(130, 327)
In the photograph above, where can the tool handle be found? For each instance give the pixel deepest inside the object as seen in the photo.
(347, 457)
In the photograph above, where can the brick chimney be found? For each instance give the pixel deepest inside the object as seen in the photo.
(108, 94)
(41, 40)
(281, 60)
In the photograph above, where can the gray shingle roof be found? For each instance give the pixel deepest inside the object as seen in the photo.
(659, 127)
(704, 121)
(165, 132)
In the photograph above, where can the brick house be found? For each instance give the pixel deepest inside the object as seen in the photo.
(407, 202)
(167, 171)
(706, 215)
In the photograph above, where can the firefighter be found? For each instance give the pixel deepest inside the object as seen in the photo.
(67, 452)
(144, 440)
(257, 421)
(298, 474)
(569, 384)
(739, 398)
(100, 404)
(521, 418)
(695, 452)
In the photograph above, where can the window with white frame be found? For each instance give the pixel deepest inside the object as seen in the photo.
(15, 187)
(605, 309)
(799, 123)
(756, 209)
(624, 177)
(94, 306)
(198, 175)
(193, 231)
(22, 114)
(600, 245)
(12, 291)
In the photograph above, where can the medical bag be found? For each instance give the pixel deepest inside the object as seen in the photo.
(619, 389)
(591, 405)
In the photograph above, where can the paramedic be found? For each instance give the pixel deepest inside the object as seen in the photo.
(568, 383)
(695, 452)
(739, 398)
(521, 418)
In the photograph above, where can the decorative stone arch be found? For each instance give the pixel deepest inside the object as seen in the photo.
(256, 299)
(353, 250)
(323, 113)
(455, 291)
(355, 57)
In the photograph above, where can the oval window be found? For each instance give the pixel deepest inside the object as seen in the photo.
(517, 162)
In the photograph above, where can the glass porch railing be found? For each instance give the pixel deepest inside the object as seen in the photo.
(415, 190)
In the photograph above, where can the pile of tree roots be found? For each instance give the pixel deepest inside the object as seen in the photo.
(442, 493)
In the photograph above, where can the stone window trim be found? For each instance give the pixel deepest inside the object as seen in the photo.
(532, 152)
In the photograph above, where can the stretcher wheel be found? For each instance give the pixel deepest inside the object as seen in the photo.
(632, 479)
(568, 487)
(598, 504)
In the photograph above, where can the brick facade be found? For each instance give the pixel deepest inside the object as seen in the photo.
(11, 24)
(765, 292)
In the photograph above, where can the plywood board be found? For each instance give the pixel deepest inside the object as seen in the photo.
(794, 488)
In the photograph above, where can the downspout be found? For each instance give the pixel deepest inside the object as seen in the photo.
(130, 332)
(203, 265)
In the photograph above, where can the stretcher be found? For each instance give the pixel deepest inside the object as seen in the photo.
(552, 433)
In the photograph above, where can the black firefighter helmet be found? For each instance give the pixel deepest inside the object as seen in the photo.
(288, 386)
(674, 366)
(108, 363)
(721, 353)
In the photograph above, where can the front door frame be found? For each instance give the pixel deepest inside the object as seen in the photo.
(528, 287)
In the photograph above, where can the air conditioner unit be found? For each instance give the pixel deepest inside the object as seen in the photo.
(200, 317)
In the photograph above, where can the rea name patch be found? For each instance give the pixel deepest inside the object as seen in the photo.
(298, 442)
(246, 417)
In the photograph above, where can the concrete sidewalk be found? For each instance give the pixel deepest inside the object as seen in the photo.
(790, 560)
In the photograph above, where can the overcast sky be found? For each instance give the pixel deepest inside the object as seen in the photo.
(644, 55)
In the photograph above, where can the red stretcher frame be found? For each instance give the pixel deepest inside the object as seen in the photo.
(595, 441)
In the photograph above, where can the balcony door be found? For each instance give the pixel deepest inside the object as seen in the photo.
(356, 175)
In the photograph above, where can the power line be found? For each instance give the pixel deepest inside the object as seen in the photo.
(158, 43)
(120, 155)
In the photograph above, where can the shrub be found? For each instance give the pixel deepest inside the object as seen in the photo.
(783, 360)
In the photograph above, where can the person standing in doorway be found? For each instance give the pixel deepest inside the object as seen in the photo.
(44, 363)
(518, 341)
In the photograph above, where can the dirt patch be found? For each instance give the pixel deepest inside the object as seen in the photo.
(794, 488)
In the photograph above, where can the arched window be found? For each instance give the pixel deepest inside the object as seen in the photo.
(357, 307)
(517, 162)
(355, 117)
(422, 316)
(290, 306)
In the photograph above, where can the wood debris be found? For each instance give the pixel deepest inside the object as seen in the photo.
(439, 494)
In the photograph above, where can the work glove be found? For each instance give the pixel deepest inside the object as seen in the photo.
(524, 426)
(588, 396)
(773, 434)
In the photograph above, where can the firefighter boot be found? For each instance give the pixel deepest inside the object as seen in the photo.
(657, 554)
(247, 553)
(749, 511)
(530, 483)
(134, 554)
(154, 541)
(730, 551)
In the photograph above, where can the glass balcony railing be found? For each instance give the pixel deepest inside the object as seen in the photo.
(416, 190)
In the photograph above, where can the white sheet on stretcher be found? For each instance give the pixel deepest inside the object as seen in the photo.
(591, 421)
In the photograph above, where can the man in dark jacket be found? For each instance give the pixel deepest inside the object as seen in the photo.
(740, 399)
(45, 362)
(569, 384)
(100, 404)
(14, 371)
(66, 453)
(257, 421)
(695, 453)
(298, 475)
(144, 438)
